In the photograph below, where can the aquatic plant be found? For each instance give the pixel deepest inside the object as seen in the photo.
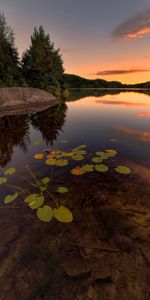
(44, 188)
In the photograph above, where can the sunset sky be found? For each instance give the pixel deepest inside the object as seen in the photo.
(107, 39)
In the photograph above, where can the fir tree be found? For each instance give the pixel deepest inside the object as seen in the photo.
(42, 65)
(9, 60)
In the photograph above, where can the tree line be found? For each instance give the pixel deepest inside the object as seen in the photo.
(41, 65)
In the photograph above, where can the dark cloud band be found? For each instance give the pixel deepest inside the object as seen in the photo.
(134, 27)
(121, 71)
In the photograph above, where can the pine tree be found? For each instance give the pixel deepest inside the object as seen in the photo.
(42, 65)
(9, 60)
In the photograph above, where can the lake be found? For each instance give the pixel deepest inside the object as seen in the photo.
(104, 253)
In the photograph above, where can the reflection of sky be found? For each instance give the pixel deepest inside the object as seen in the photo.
(91, 122)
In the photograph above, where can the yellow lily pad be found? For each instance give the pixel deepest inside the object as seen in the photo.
(123, 170)
(96, 160)
(10, 198)
(10, 171)
(3, 180)
(34, 200)
(101, 168)
(62, 189)
(61, 162)
(63, 214)
(111, 152)
(50, 162)
(88, 168)
(45, 213)
(77, 157)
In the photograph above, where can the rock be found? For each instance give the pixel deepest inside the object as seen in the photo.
(8, 235)
(123, 242)
(76, 267)
(24, 100)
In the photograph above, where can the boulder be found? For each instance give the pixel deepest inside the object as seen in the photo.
(24, 100)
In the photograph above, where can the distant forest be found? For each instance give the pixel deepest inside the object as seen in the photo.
(74, 81)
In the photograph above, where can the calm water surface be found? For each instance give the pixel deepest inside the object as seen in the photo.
(120, 121)
(104, 252)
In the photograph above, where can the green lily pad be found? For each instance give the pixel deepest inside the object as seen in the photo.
(45, 213)
(10, 171)
(34, 200)
(61, 162)
(62, 189)
(101, 168)
(45, 180)
(63, 214)
(68, 154)
(88, 168)
(82, 152)
(96, 160)
(10, 198)
(111, 152)
(100, 153)
(50, 162)
(123, 170)
(77, 157)
(3, 180)
(81, 146)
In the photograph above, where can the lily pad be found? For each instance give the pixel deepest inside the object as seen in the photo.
(96, 160)
(78, 171)
(10, 171)
(77, 157)
(50, 162)
(111, 152)
(45, 213)
(3, 180)
(34, 200)
(39, 156)
(88, 168)
(100, 153)
(81, 146)
(45, 180)
(10, 198)
(61, 162)
(63, 214)
(62, 189)
(101, 168)
(123, 170)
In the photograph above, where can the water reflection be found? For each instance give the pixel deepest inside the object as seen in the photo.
(76, 94)
(15, 130)
(49, 123)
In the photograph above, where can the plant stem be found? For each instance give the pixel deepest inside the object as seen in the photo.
(53, 198)
(31, 173)
(15, 187)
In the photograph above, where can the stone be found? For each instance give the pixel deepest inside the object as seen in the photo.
(24, 100)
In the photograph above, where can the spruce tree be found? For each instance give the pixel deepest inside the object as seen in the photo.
(9, 60)
(42, 65)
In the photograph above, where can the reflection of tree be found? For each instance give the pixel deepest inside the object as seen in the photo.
(14, 130)
(50, 122)
(76, 94)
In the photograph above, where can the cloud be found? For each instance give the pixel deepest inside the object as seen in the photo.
(134, 27)
(143, 136)
(124, 103)
(121, 71)
(144, 114)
